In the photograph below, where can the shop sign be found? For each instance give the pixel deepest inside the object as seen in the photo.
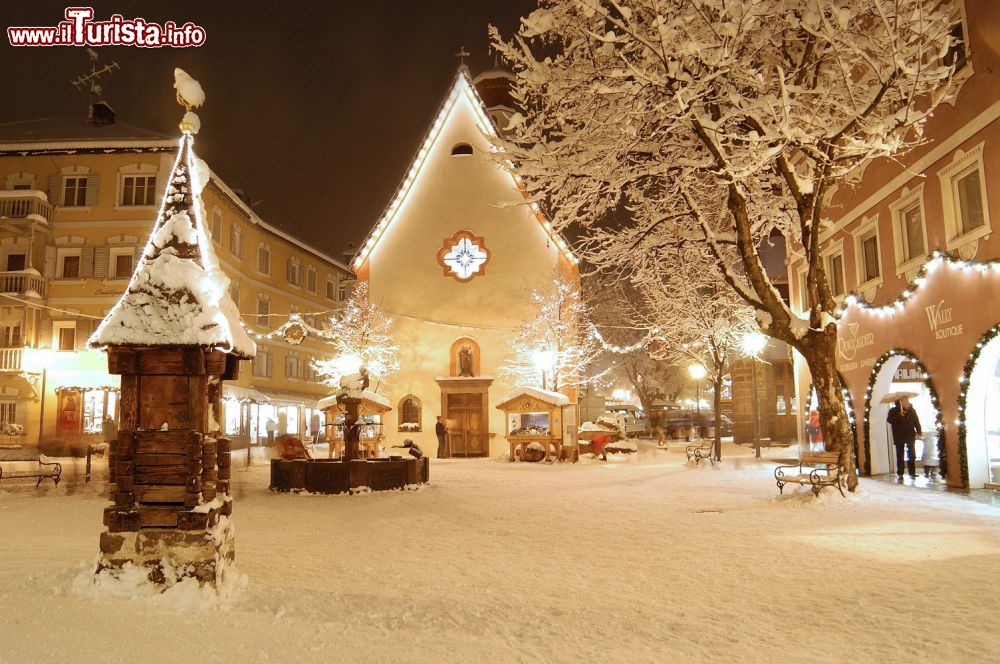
(109, 291)
(939, 318)
(848, 347)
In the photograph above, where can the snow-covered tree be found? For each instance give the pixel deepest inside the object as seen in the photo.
(717, 122)
(361, 335)
(555, 346)
(701, 320)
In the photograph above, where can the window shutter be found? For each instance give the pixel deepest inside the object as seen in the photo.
(101, 258)
(137, 254)
(21, 412)
(45, 336)
(270, 365)
(55, 189)
(87, 262)
(50, 262)
(82, 333)
(93, 184)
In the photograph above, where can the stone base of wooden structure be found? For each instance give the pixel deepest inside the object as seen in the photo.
(335, 476)
(171, 555)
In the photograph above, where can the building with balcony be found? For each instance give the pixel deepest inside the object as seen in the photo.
(911, 254)
(77, 203)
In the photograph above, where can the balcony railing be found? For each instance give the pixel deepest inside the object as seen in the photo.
(22, 204)
(10, 359)
(20, 283)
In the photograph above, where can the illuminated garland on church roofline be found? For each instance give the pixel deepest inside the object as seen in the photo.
(936, 259)
(462, 84)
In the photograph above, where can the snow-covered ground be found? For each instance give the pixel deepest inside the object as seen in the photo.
(638, 560)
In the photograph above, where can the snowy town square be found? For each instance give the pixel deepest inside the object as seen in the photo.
(521, 331)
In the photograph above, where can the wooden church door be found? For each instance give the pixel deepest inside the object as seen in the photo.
(466, 434)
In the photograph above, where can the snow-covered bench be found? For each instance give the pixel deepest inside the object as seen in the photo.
(826, 471)
(46, 469)
(703, 450)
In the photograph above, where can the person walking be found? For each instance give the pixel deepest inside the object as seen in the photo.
(270, 427)
(314, 427)
(441, 432)
(905, 427)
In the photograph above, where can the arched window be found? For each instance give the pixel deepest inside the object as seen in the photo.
(409, 413)
(461, 150)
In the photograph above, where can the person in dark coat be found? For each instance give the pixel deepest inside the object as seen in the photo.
(441, 431)
(905, 427)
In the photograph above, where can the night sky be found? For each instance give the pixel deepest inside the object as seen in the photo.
(313, 108)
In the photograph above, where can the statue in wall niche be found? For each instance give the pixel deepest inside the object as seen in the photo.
(465, 362)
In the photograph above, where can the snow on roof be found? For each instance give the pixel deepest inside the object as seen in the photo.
(366, 395)
(178, 295)
(62, 134)
(546, 396)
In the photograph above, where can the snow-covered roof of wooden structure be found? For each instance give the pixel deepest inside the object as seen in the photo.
(462, 90)
(178, 295)
(545, 396)
(371, 402)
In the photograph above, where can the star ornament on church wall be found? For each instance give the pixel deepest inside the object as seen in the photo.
(463, 256)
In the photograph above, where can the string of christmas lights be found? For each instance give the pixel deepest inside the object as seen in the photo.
(936, 260)
(963, 393)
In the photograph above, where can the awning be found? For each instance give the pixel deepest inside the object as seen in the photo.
(308, 400)
(238, 393)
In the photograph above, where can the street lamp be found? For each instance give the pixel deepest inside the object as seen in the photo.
(753, 344)
(698, 373)
(543, 360)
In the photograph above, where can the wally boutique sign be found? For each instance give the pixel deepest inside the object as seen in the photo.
(941, 319)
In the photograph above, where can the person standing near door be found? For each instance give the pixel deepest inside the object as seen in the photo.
(905, 427)
(441, 432)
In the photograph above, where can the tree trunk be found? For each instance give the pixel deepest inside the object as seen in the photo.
(717, 407)
(820, 352)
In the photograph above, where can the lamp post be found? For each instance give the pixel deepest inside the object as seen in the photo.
(698, 373)
(753, 345)
(543, 360)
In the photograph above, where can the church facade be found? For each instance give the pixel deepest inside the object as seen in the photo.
(452, 261)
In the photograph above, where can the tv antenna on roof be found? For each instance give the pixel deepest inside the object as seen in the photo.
(91, 79)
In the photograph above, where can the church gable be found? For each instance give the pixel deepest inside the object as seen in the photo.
(454, 192)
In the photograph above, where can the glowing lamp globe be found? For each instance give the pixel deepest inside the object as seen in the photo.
(697, 371)
(753, 343)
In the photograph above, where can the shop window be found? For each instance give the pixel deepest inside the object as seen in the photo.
(264, 259)
(138, 190)
(98, 405)
(409, 414)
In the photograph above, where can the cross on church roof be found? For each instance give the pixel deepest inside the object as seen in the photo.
(462, 55)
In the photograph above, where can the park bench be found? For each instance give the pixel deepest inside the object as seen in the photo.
(825, 471)
(52, 471)
(703, 450)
